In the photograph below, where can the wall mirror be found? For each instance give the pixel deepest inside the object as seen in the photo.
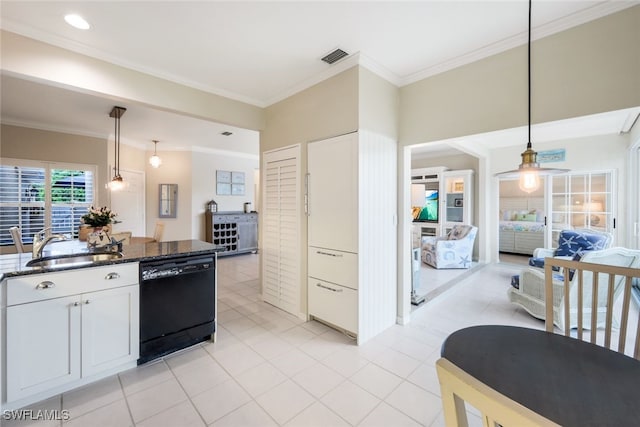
(168, 200)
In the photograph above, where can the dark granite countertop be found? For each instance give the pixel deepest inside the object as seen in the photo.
(15, 264)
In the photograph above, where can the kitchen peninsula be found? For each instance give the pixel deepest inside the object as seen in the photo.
(66, 325)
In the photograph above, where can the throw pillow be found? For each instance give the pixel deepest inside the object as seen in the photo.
(570, 242)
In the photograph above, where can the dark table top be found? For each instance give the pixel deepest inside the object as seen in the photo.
(15, 264)
(568, 381)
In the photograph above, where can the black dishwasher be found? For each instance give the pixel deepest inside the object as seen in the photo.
(177, 304)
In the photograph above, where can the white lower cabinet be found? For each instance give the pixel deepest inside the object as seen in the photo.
(55, 341)
(109, 337)
(43, 346)
(333, 303)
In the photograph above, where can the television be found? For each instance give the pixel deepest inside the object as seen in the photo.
(429, 212)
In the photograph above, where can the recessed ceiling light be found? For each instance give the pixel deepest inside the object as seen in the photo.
(77, 21)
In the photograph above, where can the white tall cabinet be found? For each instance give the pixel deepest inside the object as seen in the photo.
(352, 230)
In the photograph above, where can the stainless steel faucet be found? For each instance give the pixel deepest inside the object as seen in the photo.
(41, 239)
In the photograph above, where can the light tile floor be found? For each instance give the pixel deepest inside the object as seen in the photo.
(268, 368)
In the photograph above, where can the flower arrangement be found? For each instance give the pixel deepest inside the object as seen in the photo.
(99, 217)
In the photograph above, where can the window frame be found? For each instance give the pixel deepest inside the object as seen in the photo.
(48, 204)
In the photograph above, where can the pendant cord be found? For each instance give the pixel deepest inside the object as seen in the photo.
(116, 132)
(529, 76)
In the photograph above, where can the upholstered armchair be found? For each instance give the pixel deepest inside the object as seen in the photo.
(572, 244)
(530, 292)
(452, 251)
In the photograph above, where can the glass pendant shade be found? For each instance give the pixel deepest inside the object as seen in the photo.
(529, 180)
(155, 161)
(116, 184)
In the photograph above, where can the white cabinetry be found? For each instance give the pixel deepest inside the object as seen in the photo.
(62, 328)
(352, 232)
(456, 203)
(455, 200)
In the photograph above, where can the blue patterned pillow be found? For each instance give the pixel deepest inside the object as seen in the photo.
(572, 242)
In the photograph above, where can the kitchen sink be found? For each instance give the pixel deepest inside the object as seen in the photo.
(73, 259)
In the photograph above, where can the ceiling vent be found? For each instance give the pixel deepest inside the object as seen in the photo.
(335, 56)
(226, 133)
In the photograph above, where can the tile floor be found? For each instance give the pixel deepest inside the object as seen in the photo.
(268, 368)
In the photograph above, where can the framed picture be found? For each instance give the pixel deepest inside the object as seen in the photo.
(237, 189)
(237, 177)
(458, 186)
(223, 176)
(457, 203)
(223, 188)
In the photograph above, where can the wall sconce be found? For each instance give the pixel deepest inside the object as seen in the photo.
(155, 161)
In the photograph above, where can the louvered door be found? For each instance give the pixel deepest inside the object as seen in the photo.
(281, 229)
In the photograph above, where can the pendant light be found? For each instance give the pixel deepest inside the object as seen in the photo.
(117, 183)
(529, 171)
(155, 161)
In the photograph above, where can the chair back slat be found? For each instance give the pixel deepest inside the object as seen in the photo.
(567, 308)
(601, 310)
(609, 322)
(580, 304)
(624, 317)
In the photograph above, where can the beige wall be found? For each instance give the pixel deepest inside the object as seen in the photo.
(326, 109)
(454, 162)
(43, 62)
(203, 187)
(175, 169)
(588, 69)
(378, 104)
(33, 144)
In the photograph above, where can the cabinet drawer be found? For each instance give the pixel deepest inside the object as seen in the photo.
(37, 287)
(334, 266)
(334, 304)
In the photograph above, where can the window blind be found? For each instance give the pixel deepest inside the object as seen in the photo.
(36, 195)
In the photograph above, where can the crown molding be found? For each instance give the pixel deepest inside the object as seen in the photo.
(80, 48)
(51, 128)
(598, 11)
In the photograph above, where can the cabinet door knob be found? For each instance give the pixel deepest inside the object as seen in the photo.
(75, 304)
(112, 276)
(87, 302)
(45, 285)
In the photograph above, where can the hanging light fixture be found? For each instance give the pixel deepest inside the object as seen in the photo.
(117, 183)
(155, 161)
(529, 171)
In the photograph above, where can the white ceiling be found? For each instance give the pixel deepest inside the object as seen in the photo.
(263, 51)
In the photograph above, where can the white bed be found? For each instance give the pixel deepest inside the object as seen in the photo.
(521, 224)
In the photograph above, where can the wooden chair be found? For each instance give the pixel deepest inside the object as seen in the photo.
(16, 235)
(496, 409)
(595, 288)
(587, 282)
(159, 231)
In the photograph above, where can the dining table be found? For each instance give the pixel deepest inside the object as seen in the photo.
(563, 379)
